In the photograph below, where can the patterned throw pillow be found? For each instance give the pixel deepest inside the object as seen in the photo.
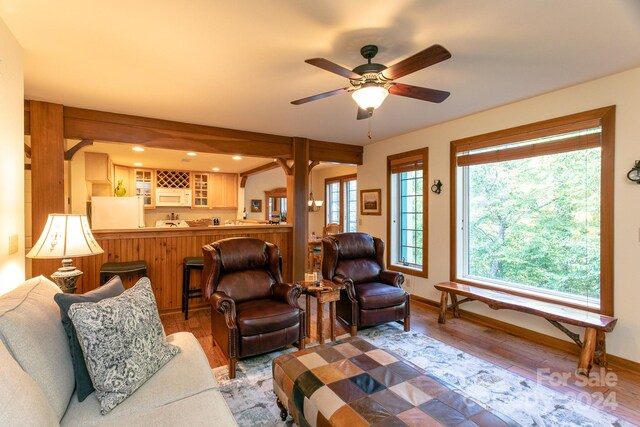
(122, 341)
(112, 288)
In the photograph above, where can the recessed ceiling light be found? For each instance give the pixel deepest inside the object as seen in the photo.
(137, 164)
(237, 158)
(140, 149)
(192, 154)
(215, 169)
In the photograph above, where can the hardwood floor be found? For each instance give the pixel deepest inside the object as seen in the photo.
(616, 391)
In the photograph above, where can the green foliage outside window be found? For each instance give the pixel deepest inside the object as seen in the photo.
(536, 222)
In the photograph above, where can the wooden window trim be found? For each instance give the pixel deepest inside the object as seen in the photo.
(280, 192)
(604, 117)
(341, 179)
(393, 162)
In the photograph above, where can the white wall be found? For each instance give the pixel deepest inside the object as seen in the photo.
(622, 90)
(316, 219)
(12, 267)
(256, 186)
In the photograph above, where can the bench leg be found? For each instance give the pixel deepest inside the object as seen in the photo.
(588, 350)
(600, 356)
(444, 299)
(454, 303)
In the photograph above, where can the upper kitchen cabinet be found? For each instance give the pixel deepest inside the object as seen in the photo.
(98, 168)
(200, 182)
(224, 190)
(144, 181)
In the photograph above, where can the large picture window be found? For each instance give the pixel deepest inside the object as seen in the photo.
(534, 211)
(407, 250)
(341, 206)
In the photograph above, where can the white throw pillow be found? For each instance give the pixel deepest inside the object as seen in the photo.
(123, 342)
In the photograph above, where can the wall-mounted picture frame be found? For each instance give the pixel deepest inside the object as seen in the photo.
(370, 202)
(256, 205)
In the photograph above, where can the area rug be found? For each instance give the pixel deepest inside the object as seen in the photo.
(252, 401)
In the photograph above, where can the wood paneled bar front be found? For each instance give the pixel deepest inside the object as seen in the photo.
(164, 250)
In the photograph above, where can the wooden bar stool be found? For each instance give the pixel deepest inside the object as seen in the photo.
(190, 263)
(121, 269)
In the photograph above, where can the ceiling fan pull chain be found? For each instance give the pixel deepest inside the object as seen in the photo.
(370, 134)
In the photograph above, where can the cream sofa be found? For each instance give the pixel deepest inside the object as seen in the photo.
(37, 381)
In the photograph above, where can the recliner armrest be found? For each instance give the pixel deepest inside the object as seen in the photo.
(223, 304)
(393, 278)
(287, 293)
(347, 282)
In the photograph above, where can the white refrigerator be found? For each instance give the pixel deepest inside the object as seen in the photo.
(117, 213)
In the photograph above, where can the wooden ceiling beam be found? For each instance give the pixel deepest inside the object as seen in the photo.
(80, 123)
(262, 168)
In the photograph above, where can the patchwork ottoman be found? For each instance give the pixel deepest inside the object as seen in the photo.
(353, 383)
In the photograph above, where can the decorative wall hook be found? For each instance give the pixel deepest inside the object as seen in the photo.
(634, 173)
(437, 186)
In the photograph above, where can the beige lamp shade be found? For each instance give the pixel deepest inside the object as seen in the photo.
(65, 236)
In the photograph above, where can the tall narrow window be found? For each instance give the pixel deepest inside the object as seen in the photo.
(341, 202)
(407, 228)
(531, 214)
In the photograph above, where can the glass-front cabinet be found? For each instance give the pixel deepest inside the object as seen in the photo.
(143, 179)
(200, 190)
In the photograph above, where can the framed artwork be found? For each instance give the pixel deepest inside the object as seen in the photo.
(370, 202)
(256, 205)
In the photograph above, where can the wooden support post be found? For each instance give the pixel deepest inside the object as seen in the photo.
(47, 171)
(297, 191)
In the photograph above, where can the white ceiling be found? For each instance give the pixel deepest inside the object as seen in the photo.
(239, 64)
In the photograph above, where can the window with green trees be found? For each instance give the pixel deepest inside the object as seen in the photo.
(529, 212)
(408, 214)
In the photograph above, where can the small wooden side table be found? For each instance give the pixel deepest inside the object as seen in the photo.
(330, 292)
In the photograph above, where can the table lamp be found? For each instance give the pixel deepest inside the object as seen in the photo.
(65, 236)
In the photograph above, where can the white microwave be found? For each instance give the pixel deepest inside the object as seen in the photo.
(173, 197)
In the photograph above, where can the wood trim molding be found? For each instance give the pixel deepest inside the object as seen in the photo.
(606, 118)
(424, 152)
(27, 151)
(533, 336)
(341, 180)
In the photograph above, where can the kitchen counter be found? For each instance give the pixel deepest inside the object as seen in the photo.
(207, 228)
(164, 249)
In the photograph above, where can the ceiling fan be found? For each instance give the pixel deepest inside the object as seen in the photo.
(371, 82)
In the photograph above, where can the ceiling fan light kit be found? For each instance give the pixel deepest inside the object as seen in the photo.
(370, 96)
(371, 83)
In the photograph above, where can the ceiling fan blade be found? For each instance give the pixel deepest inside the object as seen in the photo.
(422, 93)
(327, 65)
(319, 96)
(364, 114)
(429, 56)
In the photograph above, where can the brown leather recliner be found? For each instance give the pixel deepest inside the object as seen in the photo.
(372, 295)
(252, 311)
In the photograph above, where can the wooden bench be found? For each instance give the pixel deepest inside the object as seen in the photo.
(593, 347)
